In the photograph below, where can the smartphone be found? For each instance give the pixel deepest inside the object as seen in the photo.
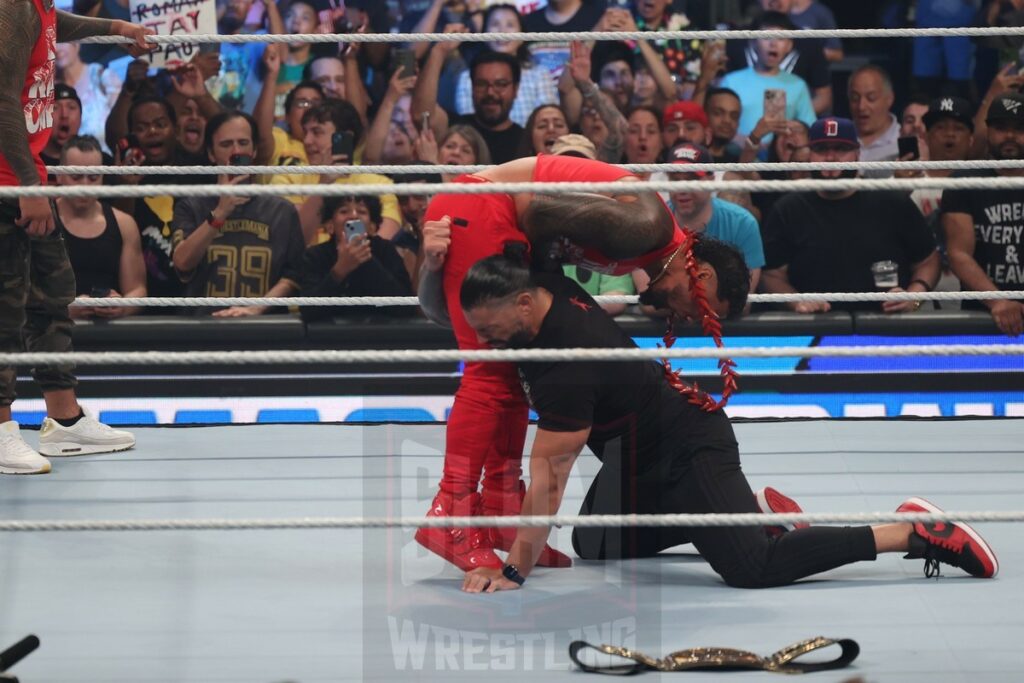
(774, 105)
(908, 145)
(130, 147)
(241, 159)
(405, 61)
(354, 229)
(100, 292)
(621, 4)
(425, 122)
(343, 144)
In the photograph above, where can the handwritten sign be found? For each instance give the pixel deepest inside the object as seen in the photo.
(172, 18)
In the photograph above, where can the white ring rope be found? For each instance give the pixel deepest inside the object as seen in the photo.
(559, 37)
(580, 521)
(552, 188)
(306, 357)
(383, 301)
(454, 169)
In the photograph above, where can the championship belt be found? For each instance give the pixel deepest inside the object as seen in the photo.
(720, 658)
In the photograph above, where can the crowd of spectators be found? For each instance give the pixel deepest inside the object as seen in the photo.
(646, 101)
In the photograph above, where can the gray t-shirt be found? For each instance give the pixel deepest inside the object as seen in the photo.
(260, 244)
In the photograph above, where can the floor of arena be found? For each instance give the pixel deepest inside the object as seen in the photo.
(330, 605)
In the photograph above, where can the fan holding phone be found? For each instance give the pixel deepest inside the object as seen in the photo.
(356, 262)
(332, 131)
(232, 246)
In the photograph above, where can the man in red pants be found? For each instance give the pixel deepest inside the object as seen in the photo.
(611, 234)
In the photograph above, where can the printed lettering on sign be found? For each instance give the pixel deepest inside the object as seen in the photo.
(39, 107)
(173, 18)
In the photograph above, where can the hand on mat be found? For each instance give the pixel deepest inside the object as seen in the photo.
(487, 580)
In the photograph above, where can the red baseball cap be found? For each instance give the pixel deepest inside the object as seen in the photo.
(684, 111)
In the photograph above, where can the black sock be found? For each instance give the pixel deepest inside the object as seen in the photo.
(70, 422)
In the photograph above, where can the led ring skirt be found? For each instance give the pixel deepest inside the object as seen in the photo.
(270, 552)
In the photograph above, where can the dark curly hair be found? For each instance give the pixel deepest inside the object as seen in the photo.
(732, 271)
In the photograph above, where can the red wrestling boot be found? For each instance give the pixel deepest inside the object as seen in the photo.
(467, 548)
(505, 503)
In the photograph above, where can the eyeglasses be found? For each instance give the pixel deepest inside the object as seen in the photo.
(487, 85)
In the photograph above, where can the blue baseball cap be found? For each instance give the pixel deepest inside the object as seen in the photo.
(833, 130)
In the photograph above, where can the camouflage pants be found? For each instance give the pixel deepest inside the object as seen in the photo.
(38, 284)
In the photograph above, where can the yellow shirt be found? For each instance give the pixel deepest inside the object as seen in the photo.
(287, 150)
(388, 202)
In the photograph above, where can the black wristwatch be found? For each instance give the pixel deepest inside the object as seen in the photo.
(511, 572)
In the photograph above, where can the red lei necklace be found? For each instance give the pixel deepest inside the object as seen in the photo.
(712, 327)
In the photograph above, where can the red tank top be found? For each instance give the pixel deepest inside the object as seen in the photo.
(37, 95)
(555, 168)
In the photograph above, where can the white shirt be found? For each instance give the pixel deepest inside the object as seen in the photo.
(884, 148)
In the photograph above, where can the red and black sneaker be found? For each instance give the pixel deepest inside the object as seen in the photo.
(771, 501)
(954, 543)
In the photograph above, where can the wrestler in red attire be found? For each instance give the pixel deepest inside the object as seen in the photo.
(487, 426)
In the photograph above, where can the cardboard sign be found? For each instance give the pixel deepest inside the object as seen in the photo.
(172, 18)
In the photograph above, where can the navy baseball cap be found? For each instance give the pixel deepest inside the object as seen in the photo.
(833, 130)
(956, 108)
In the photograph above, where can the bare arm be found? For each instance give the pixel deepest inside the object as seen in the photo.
(822, 100)
(376, 137)
(20, 26)
(132, 269)
(776, 281)
(551, 461)
(959, 228)
(427, 24)
(613, 145)
(74, 27)
(424, 95)
(263, 112)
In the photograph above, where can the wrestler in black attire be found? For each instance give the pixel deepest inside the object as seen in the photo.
(661, 454)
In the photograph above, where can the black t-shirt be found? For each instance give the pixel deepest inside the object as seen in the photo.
(998, 217)
(807, 60)
(829, 245)
(383, 275)
(504, 145)
(259, 245)
(584, 20)
(629, 406)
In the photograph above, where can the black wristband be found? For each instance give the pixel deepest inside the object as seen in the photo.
(921, 282)
(511, 572)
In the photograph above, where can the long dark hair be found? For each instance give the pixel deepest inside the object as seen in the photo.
(526, 140)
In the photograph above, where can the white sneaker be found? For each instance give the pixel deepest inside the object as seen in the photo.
(16, 456)
(86, 436)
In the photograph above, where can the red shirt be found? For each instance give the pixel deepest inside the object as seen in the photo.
(37, 95)
(556, 168)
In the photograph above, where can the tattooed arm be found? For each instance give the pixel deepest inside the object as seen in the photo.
(73, 27)
(612, 147)
(20, 26)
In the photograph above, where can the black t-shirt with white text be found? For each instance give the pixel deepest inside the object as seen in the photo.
(632, 411)
(998, 218)
(830, 244)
